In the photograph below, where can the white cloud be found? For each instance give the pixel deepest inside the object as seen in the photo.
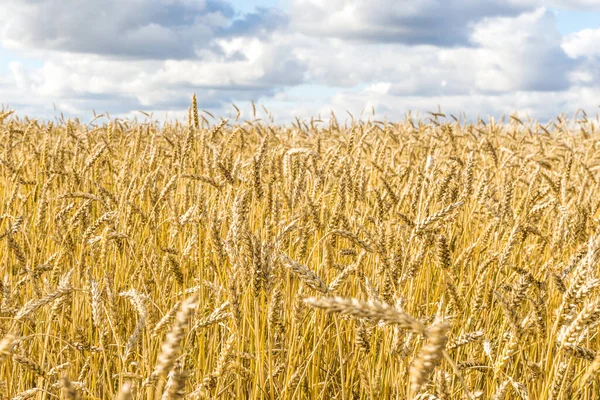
(583, 43)
(506, 54)
(21, 79)
(583, 46)
(521, 53)
(262, 69)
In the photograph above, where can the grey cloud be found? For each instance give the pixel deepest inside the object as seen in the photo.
(151, 29)
(175, 14)
(439, 23)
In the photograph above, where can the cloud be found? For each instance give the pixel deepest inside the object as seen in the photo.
(543, 106)
(151, 29)
(505, 54)
(418, 22)
(583, 43)
(21, 80)
(485, 57)
(261, 70)
(434, 22)
(521, 53)
(582, 47)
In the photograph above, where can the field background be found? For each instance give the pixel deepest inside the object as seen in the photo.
(424, 259)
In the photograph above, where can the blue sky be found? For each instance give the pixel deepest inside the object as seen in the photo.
(251, 5)
(570, 21)
(300, 57)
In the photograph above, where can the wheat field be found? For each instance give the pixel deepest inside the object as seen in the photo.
(228, 259)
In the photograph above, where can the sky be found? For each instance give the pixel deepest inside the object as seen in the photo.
(377, 59)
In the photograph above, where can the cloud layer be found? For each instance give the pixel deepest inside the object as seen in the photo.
(149, 29)
(482, 57)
